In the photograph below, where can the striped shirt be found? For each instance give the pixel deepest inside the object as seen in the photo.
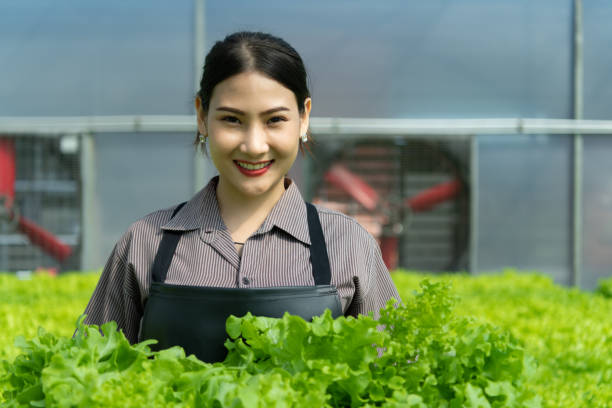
(277, 254)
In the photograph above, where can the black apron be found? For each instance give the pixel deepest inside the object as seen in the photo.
(193, 317)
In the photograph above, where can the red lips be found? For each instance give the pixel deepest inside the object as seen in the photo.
(255, 172)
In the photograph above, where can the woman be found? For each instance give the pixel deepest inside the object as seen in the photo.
(247, 241)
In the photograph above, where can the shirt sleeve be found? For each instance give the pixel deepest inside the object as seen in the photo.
(378, 290)
(117, 296)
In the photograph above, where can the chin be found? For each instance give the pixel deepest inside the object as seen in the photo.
(250, 188)
(251, 192)
(259, 189)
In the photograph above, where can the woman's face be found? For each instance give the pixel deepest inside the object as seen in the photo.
(253, 127)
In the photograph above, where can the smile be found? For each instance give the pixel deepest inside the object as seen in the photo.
(253, 169)
(253, 166)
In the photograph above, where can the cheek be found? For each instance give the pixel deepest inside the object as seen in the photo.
(218, 151)
(287, 145)
(222, 140)
(288, 140)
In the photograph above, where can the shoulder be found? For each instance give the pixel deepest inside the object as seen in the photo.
(154, 220)
(145, 232)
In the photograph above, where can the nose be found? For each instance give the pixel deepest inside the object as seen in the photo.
(255, 142)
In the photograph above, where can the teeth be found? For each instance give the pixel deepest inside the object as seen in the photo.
(249, 166)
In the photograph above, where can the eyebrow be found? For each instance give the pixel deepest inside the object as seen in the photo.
(238, 111)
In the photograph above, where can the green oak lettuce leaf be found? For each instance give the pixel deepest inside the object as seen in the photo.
(337, 353)
(418, 354)
(21, 380)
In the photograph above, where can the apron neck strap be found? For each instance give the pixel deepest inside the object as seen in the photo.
(165, 252)
(318, 251)
(321, 270)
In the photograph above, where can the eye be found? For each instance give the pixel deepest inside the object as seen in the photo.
(275, 120)
(230, 119)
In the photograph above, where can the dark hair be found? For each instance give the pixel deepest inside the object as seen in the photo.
(254, 52)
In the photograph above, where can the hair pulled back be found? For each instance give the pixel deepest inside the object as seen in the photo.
(248, 51)
(254, 52)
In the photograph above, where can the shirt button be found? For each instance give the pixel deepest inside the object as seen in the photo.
(246, 280)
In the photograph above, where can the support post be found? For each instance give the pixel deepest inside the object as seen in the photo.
(90, 225)
(577, 148)
(200, 169)
(474, 225)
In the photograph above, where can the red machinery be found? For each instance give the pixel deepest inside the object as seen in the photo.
(385, 209)
(10, 213)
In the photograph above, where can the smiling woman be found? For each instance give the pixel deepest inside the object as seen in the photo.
(253, 126)
(247, 242)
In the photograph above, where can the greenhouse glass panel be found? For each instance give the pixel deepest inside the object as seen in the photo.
(436, 58)
(597, 59)
(137, 174)
(108, 57)
(524, 209)
(597, 210)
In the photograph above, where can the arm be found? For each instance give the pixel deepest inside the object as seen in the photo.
(117, 296)
(379, 288)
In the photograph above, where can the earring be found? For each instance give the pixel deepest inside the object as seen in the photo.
(304, 138)
(202, 139)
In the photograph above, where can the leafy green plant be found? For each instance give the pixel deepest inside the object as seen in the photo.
(567, 331)
(42, 301)
(424, 356)
(604, 287)
(431, 357)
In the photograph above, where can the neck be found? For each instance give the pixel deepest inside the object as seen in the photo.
(244, 214)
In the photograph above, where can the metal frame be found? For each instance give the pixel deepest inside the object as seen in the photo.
(334, 128)
(90, 222)
(474, 204)
(200, 170)
(577, 146)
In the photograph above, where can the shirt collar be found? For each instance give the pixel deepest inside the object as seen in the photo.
(289, 214)
(202, 211)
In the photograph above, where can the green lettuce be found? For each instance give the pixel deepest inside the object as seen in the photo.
(418, 354)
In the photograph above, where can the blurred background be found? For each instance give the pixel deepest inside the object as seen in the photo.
(466, 136)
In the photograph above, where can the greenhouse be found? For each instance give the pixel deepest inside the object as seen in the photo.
(458, 156)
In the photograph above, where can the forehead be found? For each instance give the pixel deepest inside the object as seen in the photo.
(252, 89)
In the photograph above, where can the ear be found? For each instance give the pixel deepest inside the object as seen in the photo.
(305, 117)
(201, 116)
